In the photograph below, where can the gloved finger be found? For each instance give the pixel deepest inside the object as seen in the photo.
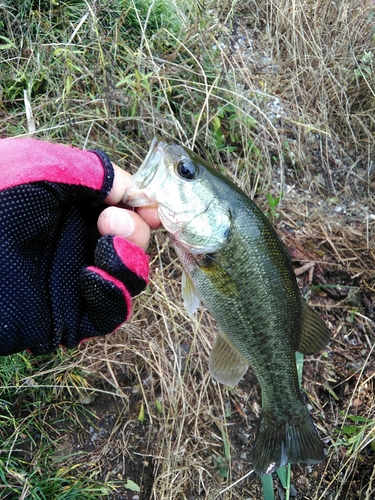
(85, 175)
(107, 302)
(123, 260)
(126, 223)
(120, 272)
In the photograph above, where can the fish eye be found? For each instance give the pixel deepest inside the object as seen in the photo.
(186, 169)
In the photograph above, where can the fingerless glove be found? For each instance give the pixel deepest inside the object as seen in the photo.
(60, 282)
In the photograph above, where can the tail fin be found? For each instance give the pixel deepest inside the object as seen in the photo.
(279, 442)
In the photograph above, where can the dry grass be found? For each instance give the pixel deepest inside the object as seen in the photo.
(281, 95)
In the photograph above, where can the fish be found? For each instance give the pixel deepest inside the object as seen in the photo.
(237, 266)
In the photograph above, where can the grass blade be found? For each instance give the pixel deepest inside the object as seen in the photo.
(267, 485)
(284, 476)
(282, 473)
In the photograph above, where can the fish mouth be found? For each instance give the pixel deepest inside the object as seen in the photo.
(138, 194)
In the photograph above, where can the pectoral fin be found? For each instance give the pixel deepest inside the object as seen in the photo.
(189, 294)
(227, 365)
(314, 332)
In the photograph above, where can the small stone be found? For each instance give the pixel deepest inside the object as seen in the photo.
(243, 437)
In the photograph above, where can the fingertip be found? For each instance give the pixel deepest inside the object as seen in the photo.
(123, 222)
(150, 215)
(120, 185)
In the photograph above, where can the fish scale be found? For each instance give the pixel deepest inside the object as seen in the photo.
(238, 267)
(246, 315)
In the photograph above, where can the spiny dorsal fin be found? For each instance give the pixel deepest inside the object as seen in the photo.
(189, 294)
(314, 332)
(227, 365)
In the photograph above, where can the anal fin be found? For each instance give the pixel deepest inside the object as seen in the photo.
(315, 333)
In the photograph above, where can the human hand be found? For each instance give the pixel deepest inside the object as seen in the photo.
(59, 281)
(133, 225)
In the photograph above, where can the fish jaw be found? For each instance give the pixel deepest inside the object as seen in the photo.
(141, 191)
(190, 211)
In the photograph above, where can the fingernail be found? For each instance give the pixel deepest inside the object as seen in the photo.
(121, 222)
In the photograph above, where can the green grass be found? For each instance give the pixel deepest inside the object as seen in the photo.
(107, 76)
(35, 404)
(357, 435)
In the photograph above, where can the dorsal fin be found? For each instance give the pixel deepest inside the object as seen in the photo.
(314, 332)
(227, 365)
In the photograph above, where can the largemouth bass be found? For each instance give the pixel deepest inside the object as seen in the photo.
(238, 267)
